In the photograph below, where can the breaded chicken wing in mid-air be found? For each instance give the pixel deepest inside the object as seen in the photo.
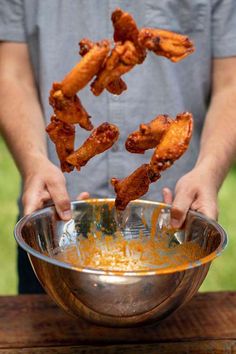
(63, 136)
(69, 109)
(101, 139)
(148, 135)
(169, 44)
(86, 69)
(133, 186)
(115, 87)
(174, 142)
(122, 59)
(125, 29)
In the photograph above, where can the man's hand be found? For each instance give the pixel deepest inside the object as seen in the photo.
(197, 190)
(46, 182)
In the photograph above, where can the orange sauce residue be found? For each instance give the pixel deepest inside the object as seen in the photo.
(114, 252)
(129, 255)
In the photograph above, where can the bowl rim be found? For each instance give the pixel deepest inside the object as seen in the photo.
(159, 271)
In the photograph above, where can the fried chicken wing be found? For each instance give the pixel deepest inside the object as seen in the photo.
(115, 87)
(174, 142)
(171, 45)
(148, 135)
(133, 186)
(63, 136)
(122, 59)
(86, 69)
(125, 29)
(101, 139)
(69, 109)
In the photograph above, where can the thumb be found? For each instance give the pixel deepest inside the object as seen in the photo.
(181, 204)
(167, 196)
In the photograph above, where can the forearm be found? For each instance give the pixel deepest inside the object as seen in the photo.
(218, 141)
(21, 119)
(21, 123)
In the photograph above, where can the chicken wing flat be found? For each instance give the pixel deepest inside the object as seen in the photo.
(148, 135)
(115, 87)
(63, 136)
(174, 143)
(171, 45)
(133, 186)
(125, 29)
(69, 109)
(122, 59)
(86, 69)
(101, 139)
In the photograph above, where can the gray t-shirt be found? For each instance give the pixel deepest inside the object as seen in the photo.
(52, 30)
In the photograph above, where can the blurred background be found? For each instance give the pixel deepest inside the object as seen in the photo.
(220, 277)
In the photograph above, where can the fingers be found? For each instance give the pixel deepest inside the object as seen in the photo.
(202, 201)
(181, 204)
(83, 195)
(57, 189)
(167, 196)
(34, 197)
(208, 207)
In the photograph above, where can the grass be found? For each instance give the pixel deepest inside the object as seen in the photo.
(220, 277)
(9, 187)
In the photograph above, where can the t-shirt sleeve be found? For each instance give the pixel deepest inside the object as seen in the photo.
(224, 28)
(12, 21)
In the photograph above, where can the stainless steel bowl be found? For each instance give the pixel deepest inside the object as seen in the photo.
(116, 298)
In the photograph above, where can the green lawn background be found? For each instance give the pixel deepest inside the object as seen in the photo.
(220, 277)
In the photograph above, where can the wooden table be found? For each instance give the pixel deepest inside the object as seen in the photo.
(34, 324)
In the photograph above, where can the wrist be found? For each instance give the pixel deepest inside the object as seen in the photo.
(212, 170)
(34, 162)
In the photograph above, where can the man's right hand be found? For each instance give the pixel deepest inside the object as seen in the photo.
(45, 182)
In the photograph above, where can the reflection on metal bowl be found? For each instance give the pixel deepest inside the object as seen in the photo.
(116, 297)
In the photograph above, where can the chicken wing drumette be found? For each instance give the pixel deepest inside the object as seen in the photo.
(101, 139)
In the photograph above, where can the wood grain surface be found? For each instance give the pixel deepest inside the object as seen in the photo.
(34, 324)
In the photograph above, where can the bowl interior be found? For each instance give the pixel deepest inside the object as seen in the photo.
(45, 236)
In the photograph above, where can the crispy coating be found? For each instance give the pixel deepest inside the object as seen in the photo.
(115, 87)
(69, 109)
(63, 136)
(133, 186)
(85, 46)
(122, 59)
(101, 139)
(86, 69)
(125, 29)
(148, 135)
(171, 45)
(174, 142)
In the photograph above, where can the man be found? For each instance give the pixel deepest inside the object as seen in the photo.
(39, 46)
